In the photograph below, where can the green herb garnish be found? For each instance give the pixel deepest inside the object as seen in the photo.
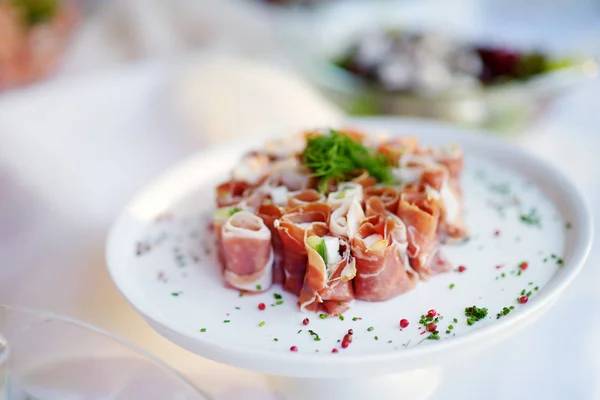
(234, 210)
(335, 156)
(262, 324)
(532, 218)
(475, 314)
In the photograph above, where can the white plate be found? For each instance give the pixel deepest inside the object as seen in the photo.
(176, 285)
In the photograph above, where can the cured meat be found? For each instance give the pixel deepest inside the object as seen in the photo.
(306, 196)
(382, 266)
(231, 192)
(345, 219)
(330, 268)
(247, 252)
(292, 227)
(388, 194)
(345, 192)
(419, 209)
(269, 214)
(335, 216)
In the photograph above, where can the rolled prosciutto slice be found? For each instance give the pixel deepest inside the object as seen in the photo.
(419, 208)
(292, 227)
(345, 192)
(424, 168)
(305, 196)
(247, 252)
(231, 192)
(270, 213)
(388, 194)
(382, 267)
(345, 220)
(330, 269)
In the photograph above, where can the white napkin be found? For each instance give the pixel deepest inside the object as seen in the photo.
(224, 98)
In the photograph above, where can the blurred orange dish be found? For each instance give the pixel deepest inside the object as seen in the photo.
(33, 35)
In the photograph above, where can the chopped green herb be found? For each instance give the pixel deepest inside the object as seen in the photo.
(316, 337)
(334, 156)
(341, 317)
(451, 286)
(505, 311)
(376, 337)
(241, 294)
(448, 332)
(234, 210)
(560, 261)
(339, 302)
(277, 296)
(300, 331)
(523, 292)
(553, 255)
(203, 330)
(176, 294)
(435, 335)
(536, 288)
(279, 302)
(520, 272)
(568, 225)
(258, 287)
(529, 293)
(322, 316)
(354, 318)
(455, 320)
(503, 274)
(450, 327)
(262, 324)
(275, 340)
(532, 218)
(370, 328)
(530, 283)
(226, 321)
(475, 314)
(546, 259)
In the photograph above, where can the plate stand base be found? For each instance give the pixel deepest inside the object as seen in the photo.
(418, 384)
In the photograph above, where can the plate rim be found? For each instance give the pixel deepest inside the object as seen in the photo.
(310, 364)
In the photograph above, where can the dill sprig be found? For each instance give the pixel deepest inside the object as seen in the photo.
(335, 156)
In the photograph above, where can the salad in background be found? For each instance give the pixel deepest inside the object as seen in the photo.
(427, 62)
(430, 75)
(33, 36)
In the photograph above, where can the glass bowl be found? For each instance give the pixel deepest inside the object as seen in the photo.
(49, 357)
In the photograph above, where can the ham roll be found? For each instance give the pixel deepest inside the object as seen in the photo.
(292, 227)
(247, 252)
(270, 213)
(345, 219)
(306, 196)
(419, 208)
(330, 268)
(389, 195)
(382, 267)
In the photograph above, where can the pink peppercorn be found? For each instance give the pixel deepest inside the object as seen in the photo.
(404, 323)
(293, 348)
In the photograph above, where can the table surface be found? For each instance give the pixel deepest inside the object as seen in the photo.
(53, 220)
